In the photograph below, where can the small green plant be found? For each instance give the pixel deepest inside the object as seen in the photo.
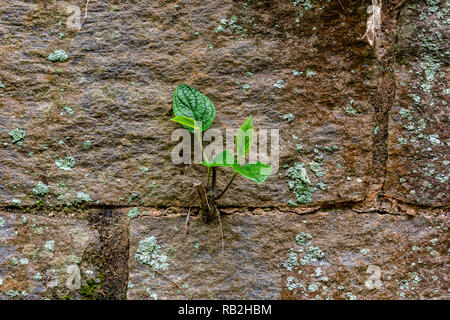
(196, 112)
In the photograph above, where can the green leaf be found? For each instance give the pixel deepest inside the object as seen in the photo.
(189, 122)
(192, 104)
(257, 172)
(223, 159)
(244, 138)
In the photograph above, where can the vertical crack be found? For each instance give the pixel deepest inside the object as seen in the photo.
(112, 227)
(382, 106)
(386, 92)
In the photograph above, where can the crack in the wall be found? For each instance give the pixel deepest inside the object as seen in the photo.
(383, 104)
(113, 260)
(385, 93)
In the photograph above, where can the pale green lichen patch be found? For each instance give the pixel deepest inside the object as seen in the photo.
(351, 296)
(17, 136)
(133, 212)
(292, 284)
(49, 245)
(41, 189)
(313, 254)
(87, 145)
(302, 238)
(37, 276)
(149, 253)
(12, 293)
(300, 184)
(58, 55)
(83, 197)
(291, 262)
(280, 84)
(310, 73)
(316, 168)
(289, 117)
(68, 110)
(305, 253)
(364, 251)
(233, 24)
(349, 109)
(65, 164)
(2, 222)
(152, 295)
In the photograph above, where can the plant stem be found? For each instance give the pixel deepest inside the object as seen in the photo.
(220, 224)
(226, 188)
(214, 180)
(207, 181)
(203, 196)
(188, 221)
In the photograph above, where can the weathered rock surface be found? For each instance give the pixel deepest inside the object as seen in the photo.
(329, 255)
(47, 258)
(85, 145)
(418, 140)
(108, 105)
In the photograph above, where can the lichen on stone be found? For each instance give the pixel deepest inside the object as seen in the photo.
(293, 284)
(12, 293)
(291, 261)
(280, 84)
(148, 253)
(49, 245)
(58, 55)
(65, 164)
(68, 110)
(302, 238)
(41, 189)
(83, 197)
(316, 168)
(350, 110)
(133, 212)
(309, 73)
(300, 183)
(152, 295)
(87, 145)
(289, 117)
(17, 136)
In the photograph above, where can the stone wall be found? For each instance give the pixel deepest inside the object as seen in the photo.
(87, 186)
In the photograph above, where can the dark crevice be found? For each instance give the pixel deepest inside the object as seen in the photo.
(386, 91)
(112, 261)
(382, 106)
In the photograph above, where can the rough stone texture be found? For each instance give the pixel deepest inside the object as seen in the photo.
(123, 67)
(411, 253)
(369, 125)
(46, 258)
(418, 140)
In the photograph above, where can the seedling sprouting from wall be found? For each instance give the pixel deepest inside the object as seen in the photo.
(196, 112)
